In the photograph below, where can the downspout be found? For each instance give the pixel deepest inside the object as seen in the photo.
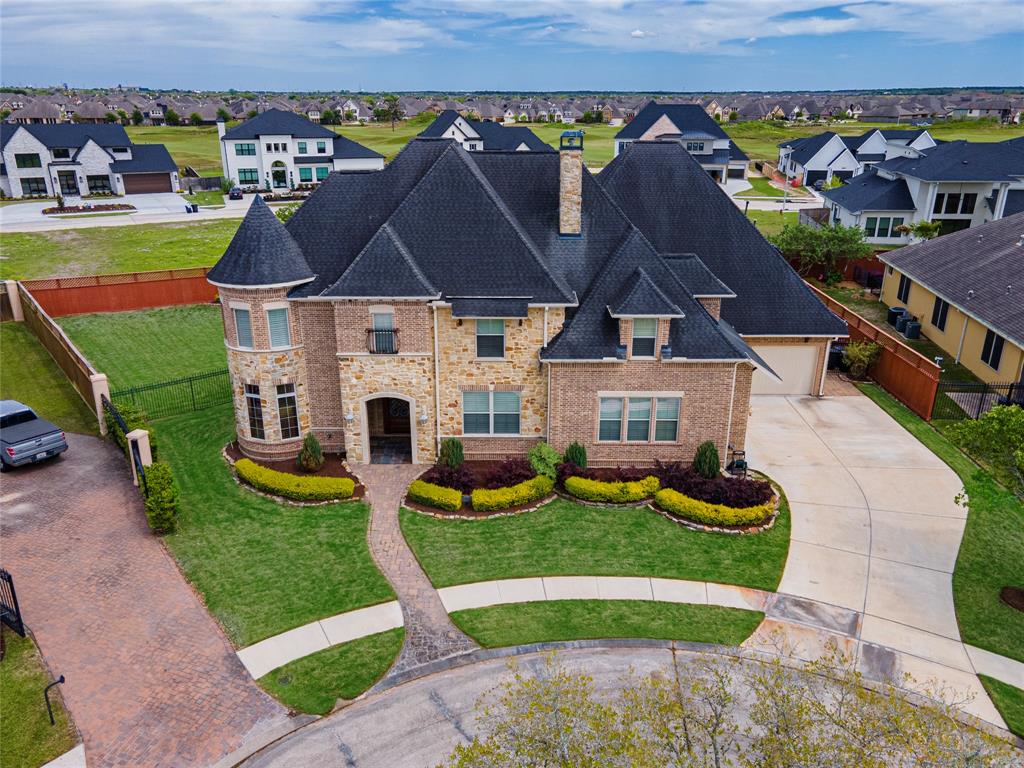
(732, 399)
(437, 388)
(963, 334)
(545, 327)
(824, 368)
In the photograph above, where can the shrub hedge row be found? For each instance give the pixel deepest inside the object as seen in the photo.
(435, 496)
(293, 486)
(711, 514)
(161, 498)
(485, 500)
(612, 493)
(134, 418)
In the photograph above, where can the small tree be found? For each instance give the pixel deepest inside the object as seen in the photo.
(195, 118)
(576, 454)
(172, 118)
(122, 116)
(350, 115)
(451, 453)
(223, 114)
(823, 247)
(997, 437)
(705, 461)
(545, 460)
(136, 117)
(311, 457)
(734, 116)
(251, 113)
(923, 230)
(110, 117)
(860, 356)
(391, 110)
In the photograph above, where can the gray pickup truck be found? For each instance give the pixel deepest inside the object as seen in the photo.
(25, 438)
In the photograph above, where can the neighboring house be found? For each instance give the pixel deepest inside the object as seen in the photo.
(483, 136)
(1000, 109)
(957, 183)
(967, 291)
(689, 124)
(278, 149)
(508, 297)
(37, 112)
(826, 155)
(892, 113)
(71, 159)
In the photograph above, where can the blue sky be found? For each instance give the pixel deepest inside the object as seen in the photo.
(512, 44)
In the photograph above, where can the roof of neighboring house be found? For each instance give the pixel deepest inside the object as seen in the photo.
(962, 161)
(146, 158)
(686, 117)
(278, 122)
(771, 299)
(261, 253)
(870, 192)
(493, 135)
(806, 148)
(346, 149)
(976, 269)
(69, 134)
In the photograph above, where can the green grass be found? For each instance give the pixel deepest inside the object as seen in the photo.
(314, 683)
(19, 201)
(498, 626)
(28, 374)
(564, 539)
(101, 250)
(212, 197)
(1008, 700)
(150, 345)
(261, 567)
(27, 738)
(761, 188)
(991, 551)
(771, 222)
(196, 146)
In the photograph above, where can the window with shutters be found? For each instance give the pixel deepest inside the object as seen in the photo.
(254, 406)
(277, 325)
(243, 328)
(287, 411)
(490, 413)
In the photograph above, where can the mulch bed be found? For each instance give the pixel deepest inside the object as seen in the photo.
(91, 208)
(1013, 597)
(334, 466)
(468, 513)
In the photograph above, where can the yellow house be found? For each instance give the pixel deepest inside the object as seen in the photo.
(967, 291)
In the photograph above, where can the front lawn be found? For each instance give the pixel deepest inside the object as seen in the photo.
(314, 683)
(28, 374)
(150, 345)
(565, 539)
(102, 250)
(261, 567)
(992, 550)
(1008, 700)
(193, 145)
(761, 188)
(522, 623)
(771, 222)
(212, 197)
(27, 739)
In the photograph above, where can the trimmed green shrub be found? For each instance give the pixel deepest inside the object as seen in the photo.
(161, 497)
(711, 514)
(450, 454)
(311, 457)
(576, 454)
(860, 356)
(294, 486)
(134, 418)
(544, 459)
(431, 495)
(705, 460)
(613, 493)
(528, 491)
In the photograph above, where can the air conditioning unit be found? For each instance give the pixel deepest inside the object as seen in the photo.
(901, 322)
(912, 329)
(894, 314)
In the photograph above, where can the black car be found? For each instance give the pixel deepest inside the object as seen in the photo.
(235, 193)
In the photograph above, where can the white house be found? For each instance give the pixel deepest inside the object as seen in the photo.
(277, 149)
(483, 136)
(81, 160)
(827, 155)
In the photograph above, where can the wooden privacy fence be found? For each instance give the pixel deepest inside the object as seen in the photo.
(907, 375)
(61, 296)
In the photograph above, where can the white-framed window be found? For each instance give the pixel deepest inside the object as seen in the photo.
(321, 147)
(883, 226)
(490, 413)
(277, 325)
(254, 407)
(382, 333)
(302, 147)
(287, 411)
(645, 336)
(490, 338)
(638, 419)
(248, 176)
(243, 327)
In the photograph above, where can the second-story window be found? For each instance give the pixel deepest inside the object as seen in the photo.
(490, 338)
(277, 324)
(321, 147)
(245, 149)
(28, 161)
(695, 146)
(302, 147)
(61, 153)
(270, 147)
(382, 333)
(243, 327)
(645, 336)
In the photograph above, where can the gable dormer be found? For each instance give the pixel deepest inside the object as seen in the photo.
(645, 315)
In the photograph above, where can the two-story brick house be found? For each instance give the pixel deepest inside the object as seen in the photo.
(508, 297)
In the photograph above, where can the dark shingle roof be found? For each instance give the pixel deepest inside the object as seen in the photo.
(870, 192)
(346, 149)
(146, 158)
(261, 253)
(805, 149)
(1014, 202)
(384, 266)
(278, 122)
(977, 269)
(494, 136)
(695, 275)
(640, 297)
(70, 134)
(686, 117)
(962, 161)
(490, 307)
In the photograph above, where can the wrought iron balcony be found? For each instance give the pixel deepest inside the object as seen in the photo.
(382, 342)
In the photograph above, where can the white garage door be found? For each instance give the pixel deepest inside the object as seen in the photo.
(796, 365)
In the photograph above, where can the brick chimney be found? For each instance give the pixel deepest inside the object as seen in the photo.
(570, 183)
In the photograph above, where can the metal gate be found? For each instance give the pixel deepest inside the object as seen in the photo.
(10, 613)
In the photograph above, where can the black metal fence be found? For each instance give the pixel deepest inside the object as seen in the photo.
(185, 395)
(133, 448)
(956, 400)
(10, 612)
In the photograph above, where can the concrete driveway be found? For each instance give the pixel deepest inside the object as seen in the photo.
(876, 532)
(154, 208)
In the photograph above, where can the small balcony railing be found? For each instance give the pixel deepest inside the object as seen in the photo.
(382, 342)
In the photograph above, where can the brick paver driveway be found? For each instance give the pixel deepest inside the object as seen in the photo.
(151, 681)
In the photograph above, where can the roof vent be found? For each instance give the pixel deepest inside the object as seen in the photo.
(970, 295)
(1020, 240)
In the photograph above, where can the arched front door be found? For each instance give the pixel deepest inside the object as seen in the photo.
(389, 430)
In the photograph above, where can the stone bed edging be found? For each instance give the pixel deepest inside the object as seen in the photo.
(442, 515)
(282, 499)
(693, 525)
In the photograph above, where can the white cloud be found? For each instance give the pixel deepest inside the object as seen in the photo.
(638, 33)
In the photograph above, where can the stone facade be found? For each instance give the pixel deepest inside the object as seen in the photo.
(570, 191)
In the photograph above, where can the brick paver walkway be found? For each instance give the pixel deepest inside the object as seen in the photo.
(429, 633)
(151, 681)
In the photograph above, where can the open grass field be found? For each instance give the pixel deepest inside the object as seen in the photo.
(28, 374)
(521, 623)
(102, 250)
(150, 345)
(771, 223)
(27, 738)
(195, 146)
(567, 539)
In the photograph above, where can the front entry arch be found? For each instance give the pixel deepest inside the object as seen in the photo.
(389, 429)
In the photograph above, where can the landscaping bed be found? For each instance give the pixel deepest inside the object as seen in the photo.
(334, 466)
(89, 208)
(478, 489)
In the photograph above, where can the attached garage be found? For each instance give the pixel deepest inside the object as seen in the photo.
(136, 183)
(812, 176)
(737, 173)
(796, 364)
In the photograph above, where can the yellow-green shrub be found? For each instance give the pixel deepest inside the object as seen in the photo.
(485, 500)
(436, 496)
(612, 493)
(711, 514)
(294, 486)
